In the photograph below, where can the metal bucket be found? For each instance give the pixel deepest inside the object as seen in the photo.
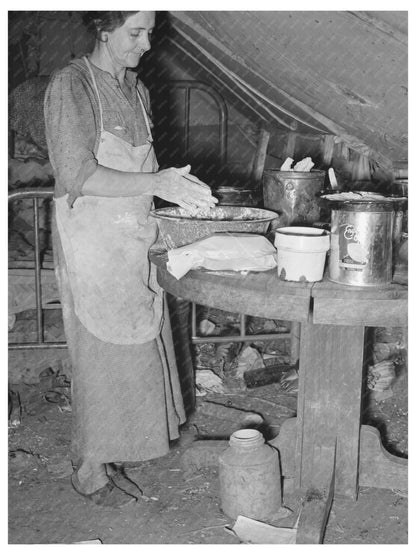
(361, 242)
(237, 196)
(294, 195)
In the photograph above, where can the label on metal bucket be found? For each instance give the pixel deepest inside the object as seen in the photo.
(353, 256)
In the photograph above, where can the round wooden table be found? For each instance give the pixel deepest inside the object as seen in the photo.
(325, 450)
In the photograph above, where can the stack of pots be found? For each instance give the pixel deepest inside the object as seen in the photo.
(294, 195)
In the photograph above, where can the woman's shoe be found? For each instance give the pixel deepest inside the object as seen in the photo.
(107, 496)
(120, 479)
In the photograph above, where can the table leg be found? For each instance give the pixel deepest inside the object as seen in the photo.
(316, 505)
(329, 406)
(328, 422)
(325, 448)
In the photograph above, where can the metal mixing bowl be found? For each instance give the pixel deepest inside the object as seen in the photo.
(178, 228)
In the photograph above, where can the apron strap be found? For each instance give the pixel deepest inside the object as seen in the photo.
(146, 117)
(96, 90)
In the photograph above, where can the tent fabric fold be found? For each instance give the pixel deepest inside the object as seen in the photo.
(339, 73)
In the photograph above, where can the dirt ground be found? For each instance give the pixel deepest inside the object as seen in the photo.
(184, 504)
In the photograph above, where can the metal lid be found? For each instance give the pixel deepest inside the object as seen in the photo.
(295, 174)
(364, 201)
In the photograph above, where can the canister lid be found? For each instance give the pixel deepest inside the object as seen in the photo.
(295, 174)
(363, 201)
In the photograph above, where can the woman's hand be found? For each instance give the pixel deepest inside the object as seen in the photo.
(178, 186)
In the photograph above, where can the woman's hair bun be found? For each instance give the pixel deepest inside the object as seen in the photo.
(90, 20)
(104, 21)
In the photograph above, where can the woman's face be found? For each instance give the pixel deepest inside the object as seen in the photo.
(127, 44)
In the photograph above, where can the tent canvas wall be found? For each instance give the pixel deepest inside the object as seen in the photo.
(328, 83)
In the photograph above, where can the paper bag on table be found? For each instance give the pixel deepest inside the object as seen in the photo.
(224, 251)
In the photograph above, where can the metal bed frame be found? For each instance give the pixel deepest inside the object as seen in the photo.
(35, 195)
(189, 86)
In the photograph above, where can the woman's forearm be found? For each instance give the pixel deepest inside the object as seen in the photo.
(174, 185)
(106, 182)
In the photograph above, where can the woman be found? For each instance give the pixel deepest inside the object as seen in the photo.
(126, 397)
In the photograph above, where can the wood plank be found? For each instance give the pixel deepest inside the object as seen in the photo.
(347, 368)
(260, 156)
(331, 289)
(328, 143)
(290, 145)
(361, 312)
(316, 507)
(245, 301)
(316, 436)
(329, 404)
(378, 467)
(260, 294)
(316, 409)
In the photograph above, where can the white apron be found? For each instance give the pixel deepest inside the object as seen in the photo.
(106, 243)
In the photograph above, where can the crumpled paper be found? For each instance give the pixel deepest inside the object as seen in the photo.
(207, 380)
(304, 165)
(224, 251)
(249, 359)
(252, 531)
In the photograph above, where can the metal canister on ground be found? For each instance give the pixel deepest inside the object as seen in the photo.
(362, 242)
(294, 195)
(250, 480)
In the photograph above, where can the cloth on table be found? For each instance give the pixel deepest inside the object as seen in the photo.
(224, 251)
